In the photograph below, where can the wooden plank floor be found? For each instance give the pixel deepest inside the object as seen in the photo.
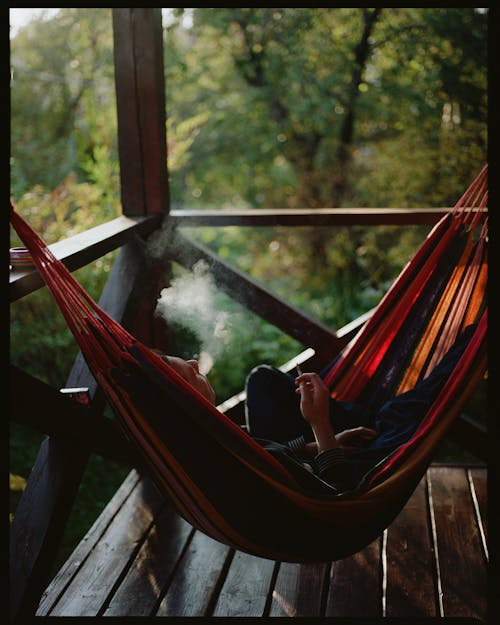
(141, 559)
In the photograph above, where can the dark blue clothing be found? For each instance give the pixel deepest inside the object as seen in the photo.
(273, 414)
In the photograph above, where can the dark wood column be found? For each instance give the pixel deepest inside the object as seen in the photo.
(140, 101)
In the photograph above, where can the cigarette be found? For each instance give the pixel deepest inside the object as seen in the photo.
(298, 368)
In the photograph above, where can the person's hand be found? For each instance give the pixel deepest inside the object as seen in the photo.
(356, 438)
(314, 406)
(314, 398)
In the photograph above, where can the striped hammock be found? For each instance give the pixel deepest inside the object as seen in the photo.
(221, 480)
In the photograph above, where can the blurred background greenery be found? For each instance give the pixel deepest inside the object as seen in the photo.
(274, 108)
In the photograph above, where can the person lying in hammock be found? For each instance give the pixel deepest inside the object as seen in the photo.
(320, 438)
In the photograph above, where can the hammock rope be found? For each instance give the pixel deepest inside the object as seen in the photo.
(218, 476)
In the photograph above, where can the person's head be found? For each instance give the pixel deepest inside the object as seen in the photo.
(189, 370)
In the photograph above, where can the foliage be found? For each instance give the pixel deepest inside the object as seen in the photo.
(260, 74)
(62, 98)
(391, 113)
(361, 263)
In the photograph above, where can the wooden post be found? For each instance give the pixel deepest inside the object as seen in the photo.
(142, 143)
(140, 101)
(43, 510)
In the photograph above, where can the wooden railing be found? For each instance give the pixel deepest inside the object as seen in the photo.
(84, 248)
(81, 249)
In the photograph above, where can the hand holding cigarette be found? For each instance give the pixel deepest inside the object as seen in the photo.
(314, 397)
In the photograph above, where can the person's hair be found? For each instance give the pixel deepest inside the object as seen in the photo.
(161, 354)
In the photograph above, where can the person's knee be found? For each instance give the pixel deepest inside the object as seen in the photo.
(260, 377)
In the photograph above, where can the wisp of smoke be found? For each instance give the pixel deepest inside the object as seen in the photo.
(191, 301)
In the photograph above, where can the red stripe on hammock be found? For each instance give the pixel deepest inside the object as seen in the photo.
(381, 329)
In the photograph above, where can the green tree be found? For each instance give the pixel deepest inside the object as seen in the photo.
(63, 116)
(282, 115)
(315, 97)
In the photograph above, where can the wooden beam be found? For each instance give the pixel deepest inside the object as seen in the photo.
(307, 217)
(140, 99)
(81, 249)
(46, 502)
(65, 418)
(41, 515)
(256, 298)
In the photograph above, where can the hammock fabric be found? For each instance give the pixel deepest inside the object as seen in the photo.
(221, 480)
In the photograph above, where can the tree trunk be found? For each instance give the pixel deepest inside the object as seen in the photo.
(344, 154)
(340, 184)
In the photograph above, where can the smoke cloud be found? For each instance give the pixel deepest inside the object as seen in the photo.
(191, 301)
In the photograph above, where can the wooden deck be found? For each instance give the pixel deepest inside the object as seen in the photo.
(141, 559)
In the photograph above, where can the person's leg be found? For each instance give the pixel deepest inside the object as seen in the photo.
(272, 407)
